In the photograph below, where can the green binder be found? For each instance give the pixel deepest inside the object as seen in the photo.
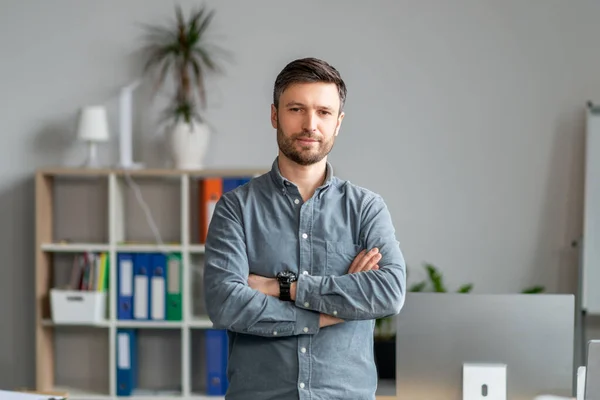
(174, 285)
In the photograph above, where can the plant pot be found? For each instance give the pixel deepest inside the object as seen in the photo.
(385, 357)
(189, 144)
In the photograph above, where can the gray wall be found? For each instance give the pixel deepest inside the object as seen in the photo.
(467, 116)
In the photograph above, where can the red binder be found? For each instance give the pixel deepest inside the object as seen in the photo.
(210, 191)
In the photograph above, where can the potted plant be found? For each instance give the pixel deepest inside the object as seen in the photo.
(385, 333)
(182, 51)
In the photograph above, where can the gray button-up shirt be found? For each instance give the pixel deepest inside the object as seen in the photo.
(276, 349)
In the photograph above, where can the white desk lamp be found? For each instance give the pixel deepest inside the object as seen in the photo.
(93, 128)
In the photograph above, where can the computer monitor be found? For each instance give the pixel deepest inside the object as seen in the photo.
(592, 371)
(532, 334)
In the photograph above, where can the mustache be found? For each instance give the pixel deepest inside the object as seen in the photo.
(307, 135)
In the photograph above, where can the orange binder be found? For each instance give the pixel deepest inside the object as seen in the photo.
(210, 191)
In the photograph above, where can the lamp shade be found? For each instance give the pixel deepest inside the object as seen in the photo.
(93, 124)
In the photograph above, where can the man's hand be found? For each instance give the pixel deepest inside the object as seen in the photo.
(365, 261)
(328, 320)
(268, 286)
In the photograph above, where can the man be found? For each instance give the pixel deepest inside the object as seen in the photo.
(300, 263)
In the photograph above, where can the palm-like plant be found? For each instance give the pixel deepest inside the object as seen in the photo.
(183, 50)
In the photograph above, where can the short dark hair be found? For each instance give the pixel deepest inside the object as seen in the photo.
(308, 70)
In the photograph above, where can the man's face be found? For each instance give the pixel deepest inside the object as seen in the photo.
(307, 122)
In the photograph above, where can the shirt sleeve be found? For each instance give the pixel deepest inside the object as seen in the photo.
(365, 295)
(231, 303)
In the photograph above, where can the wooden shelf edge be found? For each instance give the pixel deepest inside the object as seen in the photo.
(194, 323)
(148, 172)
(60, 247)
(76, 247)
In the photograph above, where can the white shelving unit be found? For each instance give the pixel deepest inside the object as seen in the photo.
(79, 210)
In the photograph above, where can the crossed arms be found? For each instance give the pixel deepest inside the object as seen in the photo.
(374, 286)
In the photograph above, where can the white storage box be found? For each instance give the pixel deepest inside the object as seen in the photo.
(77, 306)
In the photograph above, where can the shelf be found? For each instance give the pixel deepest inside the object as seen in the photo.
(78, 394)
(148, 248)
(196, 322)
(197, 249)
(74, 247)
(50, 323)
(149, 324)
(201, 323)
(116, 211)
(145, 172)
(131, 248)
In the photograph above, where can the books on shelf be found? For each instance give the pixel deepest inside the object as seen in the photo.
(90, 272)
(84, 299)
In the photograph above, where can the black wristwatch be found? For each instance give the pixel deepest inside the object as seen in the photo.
(285, 279)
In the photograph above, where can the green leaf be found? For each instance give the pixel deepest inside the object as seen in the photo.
(181, 48)
(198, 76)
(465, 288)
(436, 279)
(418, 287)
(533, 290)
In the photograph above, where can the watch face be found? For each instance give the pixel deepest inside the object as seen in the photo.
(286, 276)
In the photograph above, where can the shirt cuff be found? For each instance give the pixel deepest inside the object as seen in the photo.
(304, 284)
(307, 322)
(308, 296)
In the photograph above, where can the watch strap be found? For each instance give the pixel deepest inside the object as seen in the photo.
(284, 291)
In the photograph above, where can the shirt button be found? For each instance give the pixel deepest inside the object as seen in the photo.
(301, 385)
(304, 235)
(303, 350)
(334, 312)
(306, 304)
(304, 272)
(275, 333)
(296, 201)
(305, 329)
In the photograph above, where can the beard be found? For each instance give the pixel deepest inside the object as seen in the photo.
(303, 155)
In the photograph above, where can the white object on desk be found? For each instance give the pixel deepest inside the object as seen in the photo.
(6, 395)
(581, 383)
(484, 381)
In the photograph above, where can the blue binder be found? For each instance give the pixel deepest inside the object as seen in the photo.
(158, 287)
(217, 352)
(127, 365)
(125, 286)
(230, 184)
(244, 180)
(141, 286)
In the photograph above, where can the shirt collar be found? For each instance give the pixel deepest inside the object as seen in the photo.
(281, 182)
